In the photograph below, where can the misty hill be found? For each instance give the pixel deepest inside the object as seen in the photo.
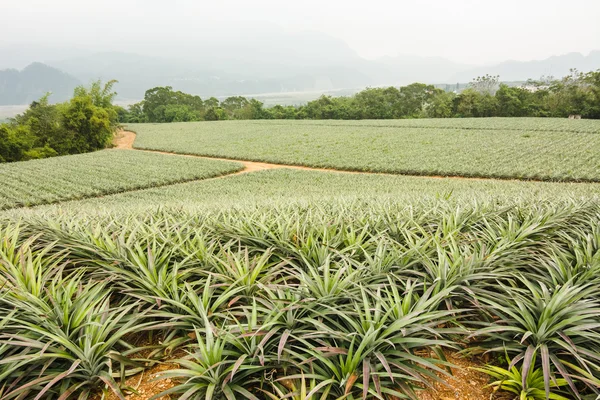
(556, 66)
(34, 81)
(263, 59)
(228, 73)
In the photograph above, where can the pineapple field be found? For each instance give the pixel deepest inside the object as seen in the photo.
(146, 279)
(104, 172)
(504, 148)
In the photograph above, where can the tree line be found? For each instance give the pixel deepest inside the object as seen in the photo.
(85, 123)
(577, 93)
(88, 121)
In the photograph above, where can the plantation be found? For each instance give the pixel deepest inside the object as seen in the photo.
(299, 284)
(100, 173)
(496, 124)
(349, 300)
(474, 148)
(285, 186)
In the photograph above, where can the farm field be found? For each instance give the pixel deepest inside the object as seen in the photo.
(286, 186)
(351, 300)
(148, 281)
(94, 174)
(484, 148)
(501, 124)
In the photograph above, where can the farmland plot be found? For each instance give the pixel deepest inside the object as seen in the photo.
(363, 300)
(100, 173)
(500, 149)
(317, 187)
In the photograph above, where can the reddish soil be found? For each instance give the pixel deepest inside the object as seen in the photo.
(147, 385)
(465, 383)
(124, 140)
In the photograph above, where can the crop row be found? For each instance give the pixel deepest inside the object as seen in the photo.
(100, 173)
(520, 154)
(285, 186)
(344, 301)
(502, 124)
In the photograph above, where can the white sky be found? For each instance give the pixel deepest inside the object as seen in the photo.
(468, 31)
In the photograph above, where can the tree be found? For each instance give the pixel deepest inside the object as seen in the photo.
(487, 84)
(378, 103)
(440, 106)
(15, 141)
(159, 101)
(414, 98)
(235, 106)
(513, 101)
(592, 82)
(85, 123)
(89, 127)
(215, 114)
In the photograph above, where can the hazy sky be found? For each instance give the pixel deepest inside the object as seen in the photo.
(468, 31)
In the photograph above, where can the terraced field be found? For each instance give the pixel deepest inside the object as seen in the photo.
(96, 174)
(500, 148)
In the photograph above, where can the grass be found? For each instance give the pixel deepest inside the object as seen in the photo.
(95, 174)
(351, 300)
(548, 149)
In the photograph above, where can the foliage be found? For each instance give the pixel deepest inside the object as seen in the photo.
(559, 325)
(486, 96)
(308, 301)
(83, 124)
(527, 385)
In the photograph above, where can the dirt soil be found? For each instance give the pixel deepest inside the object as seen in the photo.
(124, 140)
(148, 384)
(465, 383)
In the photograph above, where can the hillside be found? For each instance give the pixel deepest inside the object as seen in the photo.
(556, 66)
(266, 61)
(34, 81)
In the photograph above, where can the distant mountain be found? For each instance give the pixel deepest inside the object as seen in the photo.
(261, 59)
(406, 69)
(34, 81)
(226, 72)
(557, 66)
(215, 77)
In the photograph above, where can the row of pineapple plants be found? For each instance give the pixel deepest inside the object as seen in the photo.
(342, 301)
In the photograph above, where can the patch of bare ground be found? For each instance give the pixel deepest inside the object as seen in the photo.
(124, 140)
(148, 383)
(465, 383)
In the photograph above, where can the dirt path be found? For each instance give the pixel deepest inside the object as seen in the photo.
(124, 140)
